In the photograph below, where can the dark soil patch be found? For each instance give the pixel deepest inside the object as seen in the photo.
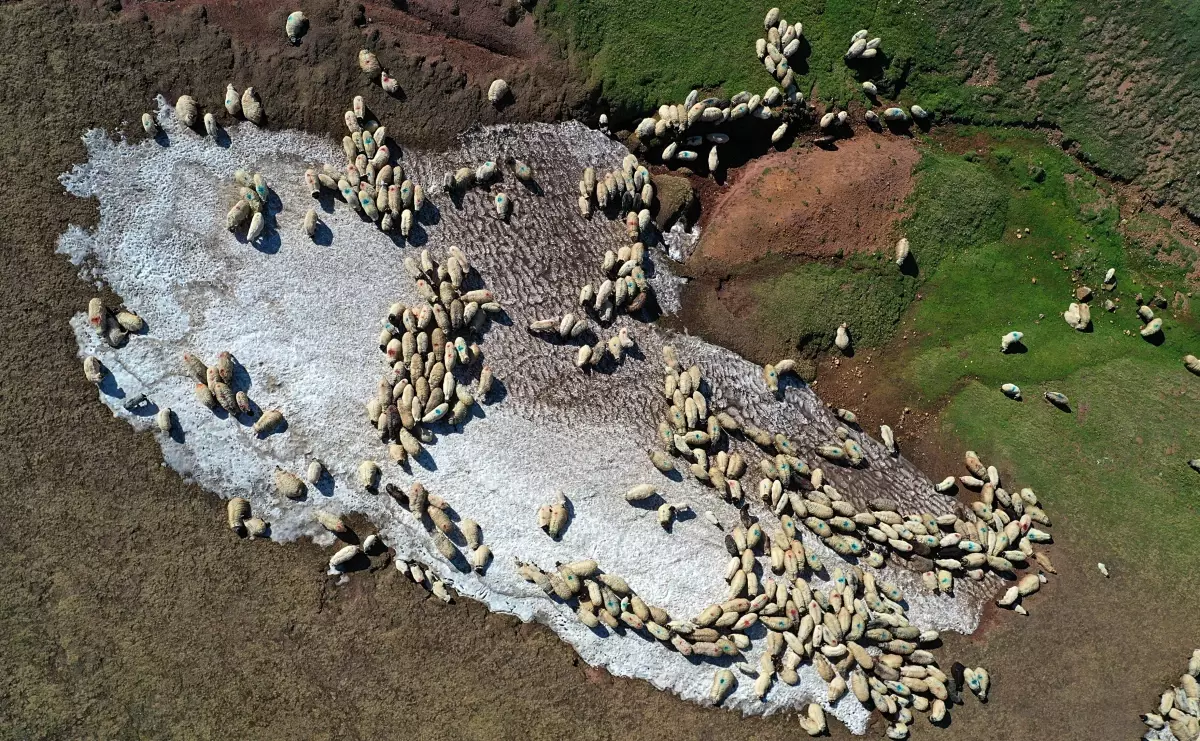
(444, 55)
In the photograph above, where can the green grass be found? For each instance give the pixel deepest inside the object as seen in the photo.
(1117, 463)
(806, 304)
(646, 53)
(1117, 78)
(1067, 214)
(1116, 468)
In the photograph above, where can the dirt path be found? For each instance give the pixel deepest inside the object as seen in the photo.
(130, 611)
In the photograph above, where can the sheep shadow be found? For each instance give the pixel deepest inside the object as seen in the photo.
(324, 485)
(799, 61)
(899, 127)
(497, 394)
(674, 475)
(532, 187)
(326, 201)
(429, 214)
(323, 236)
(417, 236)
(870, 68)
(1061, 406)
(425, 459)
(109, 387)
(142, 408)
(652, 502)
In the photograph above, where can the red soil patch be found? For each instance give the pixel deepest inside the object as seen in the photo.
(810, 203)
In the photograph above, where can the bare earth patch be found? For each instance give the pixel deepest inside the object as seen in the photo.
(783, 209)
(986, 74)
(810, 203)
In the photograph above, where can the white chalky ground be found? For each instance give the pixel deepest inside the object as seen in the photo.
(302, 318)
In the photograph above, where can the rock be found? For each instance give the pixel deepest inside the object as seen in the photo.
(1083, 293)
(676, 200)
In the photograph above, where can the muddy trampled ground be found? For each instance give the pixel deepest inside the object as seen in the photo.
(129, 610)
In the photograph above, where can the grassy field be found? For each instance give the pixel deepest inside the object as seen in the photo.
(1115, 467)
(1116, 463)
(806, 303)
(1117, 79)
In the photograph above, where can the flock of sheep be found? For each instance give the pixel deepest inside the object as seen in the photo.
(678, 131)
(1178, 710)
(855, 632)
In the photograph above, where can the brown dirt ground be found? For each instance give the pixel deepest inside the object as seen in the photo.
(130, 611)
(802, 204)
(444, 55)
(809, 203)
